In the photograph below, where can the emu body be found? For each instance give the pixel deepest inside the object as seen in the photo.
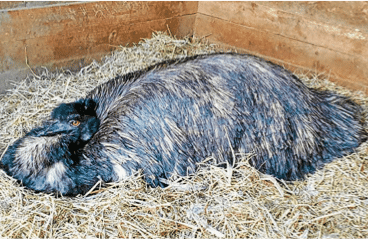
(167, 118)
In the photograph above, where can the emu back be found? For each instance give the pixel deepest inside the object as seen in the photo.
(167, 118)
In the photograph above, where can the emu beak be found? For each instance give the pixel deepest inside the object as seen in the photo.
(53, 128)
(58, 128)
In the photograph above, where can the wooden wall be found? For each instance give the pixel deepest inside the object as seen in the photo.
(71, 34)
(329, 37)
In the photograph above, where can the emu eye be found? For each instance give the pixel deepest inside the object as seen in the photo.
(75, 123)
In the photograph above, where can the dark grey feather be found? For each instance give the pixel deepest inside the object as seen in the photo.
(167, 118)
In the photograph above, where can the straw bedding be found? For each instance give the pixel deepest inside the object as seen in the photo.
(215, 202)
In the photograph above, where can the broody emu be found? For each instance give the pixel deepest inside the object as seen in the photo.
(166, 119)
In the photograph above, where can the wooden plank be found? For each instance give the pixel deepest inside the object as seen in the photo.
(73, 55)
(351, 14)
(55, 34)
(349, 70)
(312, 29)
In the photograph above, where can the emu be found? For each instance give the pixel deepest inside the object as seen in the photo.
(165, 119)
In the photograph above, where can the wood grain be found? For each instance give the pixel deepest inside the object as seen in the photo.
(54, 35)
(288, 38)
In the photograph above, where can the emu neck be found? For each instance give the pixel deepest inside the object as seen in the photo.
(38, 152)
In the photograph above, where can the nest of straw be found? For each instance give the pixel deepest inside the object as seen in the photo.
(235, 202)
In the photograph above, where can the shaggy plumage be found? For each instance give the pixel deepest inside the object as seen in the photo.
(167, 118)
(45, 158)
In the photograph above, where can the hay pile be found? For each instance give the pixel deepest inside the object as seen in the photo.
(215, 202)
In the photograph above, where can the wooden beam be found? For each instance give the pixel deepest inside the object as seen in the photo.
(288, 38)
(54, 35)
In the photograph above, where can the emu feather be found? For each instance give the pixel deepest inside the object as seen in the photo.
(167, 118)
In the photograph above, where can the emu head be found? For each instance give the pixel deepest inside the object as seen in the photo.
(75, 123)
(45, 157)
